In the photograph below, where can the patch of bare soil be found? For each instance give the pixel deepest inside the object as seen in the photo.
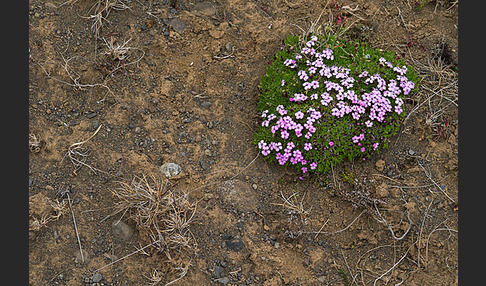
(119, 88)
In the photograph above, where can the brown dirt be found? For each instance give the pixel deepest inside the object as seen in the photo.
(187, 94)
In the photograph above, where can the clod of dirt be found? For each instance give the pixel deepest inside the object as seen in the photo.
(204, 9)
(170, 169)
(239, 194)
(79, 259)
(368, 236)
(380, 165)
(121, 231)
(382, 190)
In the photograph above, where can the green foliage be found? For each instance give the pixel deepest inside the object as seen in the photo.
(332, 142)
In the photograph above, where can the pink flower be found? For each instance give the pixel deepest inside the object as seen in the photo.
(331, 143)
(299, 115)
(363, 149)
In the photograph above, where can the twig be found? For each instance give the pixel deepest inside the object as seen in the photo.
(437, 185)
(330, 233)
(420, 234)
(128, 255)
(319, 231)
(347, 266)
(223, 57)
(75, 226)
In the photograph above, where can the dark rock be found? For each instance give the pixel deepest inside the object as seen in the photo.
(235, 244)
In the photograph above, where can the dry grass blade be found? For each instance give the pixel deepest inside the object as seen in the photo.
(295, 206)
(100, 11)
(75, 227)
(78, 153)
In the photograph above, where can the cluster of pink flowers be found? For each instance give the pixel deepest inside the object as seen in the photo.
(338, 95)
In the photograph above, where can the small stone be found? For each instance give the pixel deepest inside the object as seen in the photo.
(204, 8)
(218, 271)
(380, 165)
(411, 152)
(276, 245)
(96, 277)
(137, 129)
(254, 186)
(170, 169)
(121, 231)
(228, 47)
(206, 104)
(235, 244)
(224, 280)
(177, 25)
(91, 115)
(207, 152)
(202, 164)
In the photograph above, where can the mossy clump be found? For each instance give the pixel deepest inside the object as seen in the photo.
(324, 100)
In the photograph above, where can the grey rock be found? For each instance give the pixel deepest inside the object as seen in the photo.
(218, 271)
(121, 231)
(202, 164)
(204, 8)
(96, 277)
(177, 25)
(170, 169)
(411, 152)
(224, 280)
(206, 104)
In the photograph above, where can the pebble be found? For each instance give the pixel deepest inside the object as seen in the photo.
(411, 152)
(121, 231)
(206, 104)
(204, 8)
(96, 277)
(276, 245)
(177, 25)
(235, 244)
(202, 164)
(218, 271)
(170, 169)
(224, 280)
(254, 186)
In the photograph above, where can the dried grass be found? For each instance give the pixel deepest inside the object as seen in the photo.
(164, 216)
